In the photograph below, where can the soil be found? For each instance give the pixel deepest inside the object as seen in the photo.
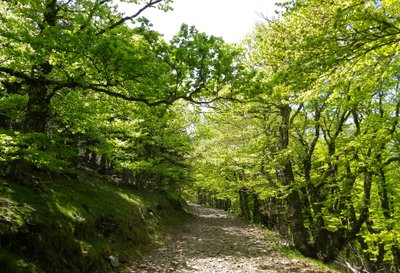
(217, 241)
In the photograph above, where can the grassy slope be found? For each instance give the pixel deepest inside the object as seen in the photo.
(75, 225)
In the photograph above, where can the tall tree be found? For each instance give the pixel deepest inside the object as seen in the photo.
(80, 48)
(326, 97)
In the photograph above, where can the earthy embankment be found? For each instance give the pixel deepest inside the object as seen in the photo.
(216, 241)
(84, 225)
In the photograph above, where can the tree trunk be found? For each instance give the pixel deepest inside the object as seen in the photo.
(93, 160)
(244, 204)
(5, 122)
(256, 209)
(298, 231)
(127, 176)
(35, 121)
(201, 197)
(37, 110)
(103, 165)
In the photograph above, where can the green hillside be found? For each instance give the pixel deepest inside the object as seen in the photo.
(75, 225)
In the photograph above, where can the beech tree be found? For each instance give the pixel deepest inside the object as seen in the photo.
(326, 99)
(53, 49)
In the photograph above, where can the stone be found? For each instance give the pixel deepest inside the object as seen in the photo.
(114, 261)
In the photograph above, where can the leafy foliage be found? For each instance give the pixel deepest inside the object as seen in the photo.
(79, 86)
(296, 130)
(320, 125)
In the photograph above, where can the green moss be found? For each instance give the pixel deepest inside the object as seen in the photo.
(10, 263)
(74, 225)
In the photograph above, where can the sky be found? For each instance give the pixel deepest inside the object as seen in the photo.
(230, 19)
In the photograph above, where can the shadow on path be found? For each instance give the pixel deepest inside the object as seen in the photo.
(216, 241)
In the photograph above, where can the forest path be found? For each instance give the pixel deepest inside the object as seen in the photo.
(216, 241)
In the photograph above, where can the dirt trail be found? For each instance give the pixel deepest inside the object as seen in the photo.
(216, 241)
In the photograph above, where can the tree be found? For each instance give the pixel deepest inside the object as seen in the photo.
(73, 49)
(326, 99)
(328, 70)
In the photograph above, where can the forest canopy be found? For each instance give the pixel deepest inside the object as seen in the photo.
(314, 151)
(78, 84)
(296, 128)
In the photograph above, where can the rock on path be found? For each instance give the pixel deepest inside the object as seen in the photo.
(216, 241)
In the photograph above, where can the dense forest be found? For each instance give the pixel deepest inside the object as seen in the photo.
(296, 128)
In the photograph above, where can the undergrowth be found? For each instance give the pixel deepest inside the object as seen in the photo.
(74, 225)
(284, 247)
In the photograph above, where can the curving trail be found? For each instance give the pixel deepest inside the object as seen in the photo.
(216, 241)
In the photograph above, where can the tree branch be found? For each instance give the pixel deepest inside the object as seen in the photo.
(105, 90)
(127, 18)
(393, 159)
(296, 113)
(17, 74)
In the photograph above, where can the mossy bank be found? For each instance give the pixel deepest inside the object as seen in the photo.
(76, 225)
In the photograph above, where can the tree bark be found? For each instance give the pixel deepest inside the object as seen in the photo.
(256, 209)
(37, 110)
(244, 204)
(295, 205)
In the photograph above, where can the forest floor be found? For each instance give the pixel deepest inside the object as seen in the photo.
(216, 241)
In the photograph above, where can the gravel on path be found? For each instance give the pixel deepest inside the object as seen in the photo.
(214, 241)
